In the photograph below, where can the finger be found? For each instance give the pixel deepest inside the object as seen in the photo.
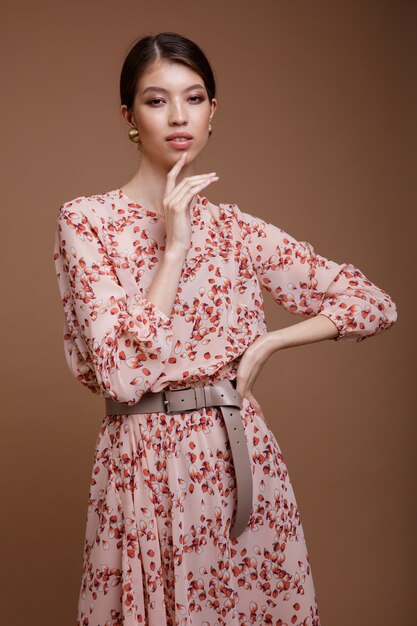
(190, 189)
(240, 388)
(183, 196)
(174, 171)
(255, 405)
(187, 181)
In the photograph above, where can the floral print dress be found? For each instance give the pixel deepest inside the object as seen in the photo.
(157, 549)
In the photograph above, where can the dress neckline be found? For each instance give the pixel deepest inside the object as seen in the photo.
(131, 202)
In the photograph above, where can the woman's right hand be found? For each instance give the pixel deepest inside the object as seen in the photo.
(176, 205)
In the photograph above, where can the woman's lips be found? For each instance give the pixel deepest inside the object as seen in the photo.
(178, 144)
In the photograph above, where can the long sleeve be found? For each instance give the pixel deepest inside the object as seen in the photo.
(116, 341)
(305, 283)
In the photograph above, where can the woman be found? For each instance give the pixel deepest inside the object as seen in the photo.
(192, 518)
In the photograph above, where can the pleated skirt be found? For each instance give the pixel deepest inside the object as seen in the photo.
(157, 549)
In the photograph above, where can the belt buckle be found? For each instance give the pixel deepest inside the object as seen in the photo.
(166, 400)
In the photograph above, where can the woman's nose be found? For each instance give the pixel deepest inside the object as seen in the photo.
(177, 115)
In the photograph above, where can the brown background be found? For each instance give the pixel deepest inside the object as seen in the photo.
(315, 131)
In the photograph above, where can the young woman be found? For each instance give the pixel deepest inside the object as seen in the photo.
(192, 518)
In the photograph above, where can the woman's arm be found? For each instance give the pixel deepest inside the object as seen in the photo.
(306, 283)
(308, 331)
(164, 286)
(339, 300)
(116, 339)
(257, 354)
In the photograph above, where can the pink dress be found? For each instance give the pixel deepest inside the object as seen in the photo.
(157, 550)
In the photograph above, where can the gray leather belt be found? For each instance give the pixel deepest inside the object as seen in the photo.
(223, 395)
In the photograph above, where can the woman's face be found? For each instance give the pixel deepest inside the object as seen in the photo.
(170, 98)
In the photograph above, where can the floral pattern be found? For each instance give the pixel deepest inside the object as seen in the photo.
(162, 494)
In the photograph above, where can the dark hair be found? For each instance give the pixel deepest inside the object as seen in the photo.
(167, 45)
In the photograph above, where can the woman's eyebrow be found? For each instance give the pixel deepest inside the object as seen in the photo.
(166, 90)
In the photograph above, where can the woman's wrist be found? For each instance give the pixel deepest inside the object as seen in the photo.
(309, 330)
(175, 255)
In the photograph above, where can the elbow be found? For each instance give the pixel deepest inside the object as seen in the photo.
(123, 374)
(365, 322)
(126, 379)
(357, 320)
(391, 314)
(125, 389)
(385, 312)
(118, 354)
(128, 363)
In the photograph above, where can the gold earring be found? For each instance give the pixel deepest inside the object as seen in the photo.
(210, 128)
(134, 135)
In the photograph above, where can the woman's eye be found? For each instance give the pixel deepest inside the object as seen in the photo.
(157, 100)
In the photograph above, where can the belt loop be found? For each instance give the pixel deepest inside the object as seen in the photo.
(200, 397)
(165, 400)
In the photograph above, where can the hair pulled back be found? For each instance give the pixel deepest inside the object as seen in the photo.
(166, 45)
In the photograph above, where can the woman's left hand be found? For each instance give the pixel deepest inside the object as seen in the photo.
(250, 365)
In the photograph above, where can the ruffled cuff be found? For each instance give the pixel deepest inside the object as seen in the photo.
(339, 321)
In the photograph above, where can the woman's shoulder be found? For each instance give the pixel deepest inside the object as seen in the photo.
(97, 198)
(235, 209)
(220, 209)
(237, 213)
(93, 205)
